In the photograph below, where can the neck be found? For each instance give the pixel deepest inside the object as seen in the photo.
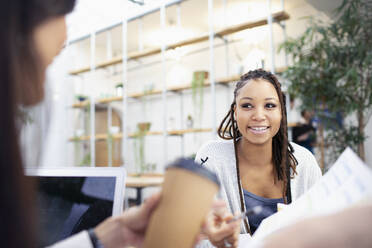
(255, 155)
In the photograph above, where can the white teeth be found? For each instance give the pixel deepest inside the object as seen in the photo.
(258, 128)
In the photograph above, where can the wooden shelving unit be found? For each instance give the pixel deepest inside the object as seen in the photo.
(154, 92)
(179, 88)
(277, 17)
(149, 133)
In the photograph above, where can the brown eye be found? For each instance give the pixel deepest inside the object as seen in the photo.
(246, 105)
(270, 105)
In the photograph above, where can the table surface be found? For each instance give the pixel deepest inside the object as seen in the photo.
(146, 180)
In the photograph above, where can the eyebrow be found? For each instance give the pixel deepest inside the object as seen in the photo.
(269, 98)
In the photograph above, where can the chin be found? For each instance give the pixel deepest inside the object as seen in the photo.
(257, 141)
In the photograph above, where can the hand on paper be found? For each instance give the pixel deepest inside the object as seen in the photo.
(220, 233)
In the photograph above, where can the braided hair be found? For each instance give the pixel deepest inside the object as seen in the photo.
(283, 158)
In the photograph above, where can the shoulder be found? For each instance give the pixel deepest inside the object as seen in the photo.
(216, 153)
(306, 160)
(217, 147)
(301, 153)
(308, 170)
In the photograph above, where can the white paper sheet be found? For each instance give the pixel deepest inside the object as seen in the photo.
(347, 183)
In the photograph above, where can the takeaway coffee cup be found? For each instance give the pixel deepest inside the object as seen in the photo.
(187, 195)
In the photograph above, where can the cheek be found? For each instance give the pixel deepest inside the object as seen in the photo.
(241, 120)
(276, 120)
(49, 38)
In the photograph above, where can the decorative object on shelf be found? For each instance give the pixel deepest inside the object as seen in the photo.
(76, 140)
(147, 90)
(189, 122)
(77, 143)
(86, 160)
(119, 89)
(143, 126)
(114, 129)
(139, 149)
(197, 86)
(109, 141)
(81, 98)
(111, 131)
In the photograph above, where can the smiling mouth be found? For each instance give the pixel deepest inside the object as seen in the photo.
(258, 130)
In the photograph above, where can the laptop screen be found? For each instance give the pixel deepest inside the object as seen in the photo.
(68, 205)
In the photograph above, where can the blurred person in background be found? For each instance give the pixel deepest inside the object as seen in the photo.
(304, 132)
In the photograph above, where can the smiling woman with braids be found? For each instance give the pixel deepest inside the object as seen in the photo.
(256, 164)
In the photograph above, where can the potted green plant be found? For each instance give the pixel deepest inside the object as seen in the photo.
(81, 98)
(119, 89)
(139, 149)
(332, 72)
(77, 144)
(86, 160)
(197, 86)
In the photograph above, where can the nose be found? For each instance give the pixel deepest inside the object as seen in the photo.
(259, 114)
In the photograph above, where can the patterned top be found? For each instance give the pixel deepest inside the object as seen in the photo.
(269, 207)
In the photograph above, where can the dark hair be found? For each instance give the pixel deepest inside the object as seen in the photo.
(20, 83)
(283, 157)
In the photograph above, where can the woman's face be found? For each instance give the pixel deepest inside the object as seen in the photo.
(258, 111)
(49, 39)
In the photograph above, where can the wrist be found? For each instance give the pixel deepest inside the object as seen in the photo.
(112, 233)
(96, 242)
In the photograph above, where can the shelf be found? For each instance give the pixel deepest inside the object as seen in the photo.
(177, 88)
(192, 130)
(150, 133)
(99, 137)
(278, 16)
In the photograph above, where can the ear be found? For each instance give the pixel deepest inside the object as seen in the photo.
(235, 111)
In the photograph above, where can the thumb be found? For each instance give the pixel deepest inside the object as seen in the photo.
(150, 204)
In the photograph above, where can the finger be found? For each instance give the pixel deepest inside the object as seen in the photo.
(219, 244)
(219, 208)
(199, 238)
(138, 216)
(150, 203)
(233, 240)
(222, 232)
(228, 217)
(218, 203)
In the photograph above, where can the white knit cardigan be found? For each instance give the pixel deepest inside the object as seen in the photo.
(219, 157)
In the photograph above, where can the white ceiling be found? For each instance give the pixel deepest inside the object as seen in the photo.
(92, 15)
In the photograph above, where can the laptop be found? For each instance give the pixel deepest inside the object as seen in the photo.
(74, 199)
